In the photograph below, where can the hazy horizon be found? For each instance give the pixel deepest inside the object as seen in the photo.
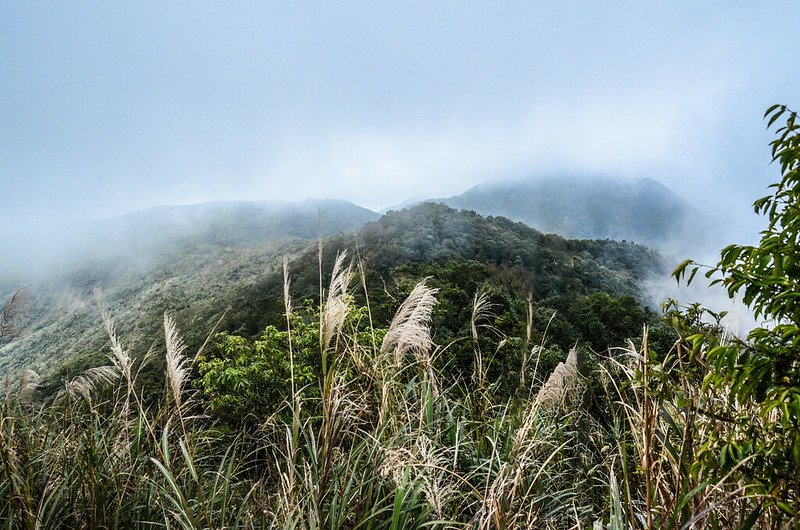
(403, 203)
(109, 109)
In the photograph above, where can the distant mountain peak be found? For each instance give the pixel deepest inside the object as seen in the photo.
(592, 207)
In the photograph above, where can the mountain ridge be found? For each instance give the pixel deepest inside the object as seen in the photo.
(141, 273)
(141, 233)
(644, 210)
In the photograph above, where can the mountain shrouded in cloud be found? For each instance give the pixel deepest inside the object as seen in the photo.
(643, 211)
(177, 258)
(112, 108)
(141, 235)
(232, 258)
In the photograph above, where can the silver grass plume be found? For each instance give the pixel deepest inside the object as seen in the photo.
(337, 305)
(177, 364)
(287, 299)
(410, 327)
(28, 384)
(563, 379)
(119, 356)
(481, 310)
(11, 313)
(90, 380)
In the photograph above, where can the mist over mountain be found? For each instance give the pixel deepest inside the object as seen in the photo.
(217, 256)
(187, 259)
(141, 236)
(195, 260)
(643, 211)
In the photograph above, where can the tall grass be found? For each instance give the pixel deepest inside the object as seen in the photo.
(387, 444)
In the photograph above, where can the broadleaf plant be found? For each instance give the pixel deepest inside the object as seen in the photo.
(761, 372)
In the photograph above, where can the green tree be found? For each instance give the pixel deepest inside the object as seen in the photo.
(761, 374)
(246, 379)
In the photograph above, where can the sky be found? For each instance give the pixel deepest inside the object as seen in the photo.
(109, 107)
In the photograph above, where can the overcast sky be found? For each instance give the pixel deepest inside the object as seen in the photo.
(108, 107)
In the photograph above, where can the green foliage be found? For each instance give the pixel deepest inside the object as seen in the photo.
(375, 441)
(463, 253)
(250, 379)
(761, 375)
(359, 436)
(242, 377)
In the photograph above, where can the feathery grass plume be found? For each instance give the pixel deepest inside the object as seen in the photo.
(12, 313)
(28, 384)
(409, 330)
(563, 380)
(87, 383)
(287, 282)
(119, 356)
(177, 364)
(337, 304)
(481, 310)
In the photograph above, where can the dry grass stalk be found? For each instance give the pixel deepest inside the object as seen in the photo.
(410, 327)
(506, 500)
(337, 304)
(563, 380)
(409, 333)
(177, 364)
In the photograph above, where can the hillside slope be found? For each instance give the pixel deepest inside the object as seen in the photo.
(583, 290)
(461, 253)
(187, 260)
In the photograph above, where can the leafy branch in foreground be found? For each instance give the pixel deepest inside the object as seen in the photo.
(760, 375)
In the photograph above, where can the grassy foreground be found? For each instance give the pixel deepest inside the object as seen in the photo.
(383, 443)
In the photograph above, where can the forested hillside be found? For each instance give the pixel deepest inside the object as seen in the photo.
(565, 295)
(538, 290)
(224, 256)
(188, 260)
(432, 369)
(463, 253)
